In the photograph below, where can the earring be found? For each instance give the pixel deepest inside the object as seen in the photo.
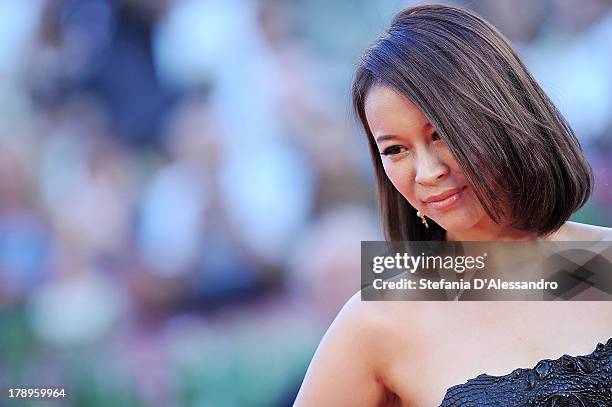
(423, 219)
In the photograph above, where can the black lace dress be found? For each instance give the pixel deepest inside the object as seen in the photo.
(570, 381)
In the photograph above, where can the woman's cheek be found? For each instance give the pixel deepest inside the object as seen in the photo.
(403, 180)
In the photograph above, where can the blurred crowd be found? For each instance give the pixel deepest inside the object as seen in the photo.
(184, 189)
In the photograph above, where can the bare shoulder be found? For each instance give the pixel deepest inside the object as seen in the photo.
(358, 316)
(574, 231)
(363, 322)
(345, 367)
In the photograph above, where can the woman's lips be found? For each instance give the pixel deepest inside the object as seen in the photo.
(447, 202)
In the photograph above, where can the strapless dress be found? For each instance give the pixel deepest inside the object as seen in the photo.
(570, 381)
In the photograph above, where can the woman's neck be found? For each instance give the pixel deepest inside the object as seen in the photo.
(489, 231)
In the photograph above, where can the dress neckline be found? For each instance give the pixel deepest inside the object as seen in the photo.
(543, 365)
(568, 380)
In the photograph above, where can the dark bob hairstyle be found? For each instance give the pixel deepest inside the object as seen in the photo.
(516, 150)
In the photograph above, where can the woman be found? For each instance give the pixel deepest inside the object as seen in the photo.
(466, 146)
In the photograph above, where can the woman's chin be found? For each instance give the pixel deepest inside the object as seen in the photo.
(462, 218)
(456, 225)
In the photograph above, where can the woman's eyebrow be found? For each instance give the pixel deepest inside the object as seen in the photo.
(384, 137)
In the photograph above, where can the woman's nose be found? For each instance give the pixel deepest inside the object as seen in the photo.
(430, 169)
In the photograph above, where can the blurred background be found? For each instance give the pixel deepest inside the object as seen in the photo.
(184, 189)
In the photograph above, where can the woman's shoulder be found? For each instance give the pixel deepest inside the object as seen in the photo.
(574, 231)
(371, 328)
(345, 369)
(385, 323)
(369, 310)
(364, 316)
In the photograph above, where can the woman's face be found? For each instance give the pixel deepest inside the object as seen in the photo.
(419, 164)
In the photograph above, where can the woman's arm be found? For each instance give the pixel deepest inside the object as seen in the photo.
(343, 370)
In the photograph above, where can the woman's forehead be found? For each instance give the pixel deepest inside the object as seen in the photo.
(389, 112)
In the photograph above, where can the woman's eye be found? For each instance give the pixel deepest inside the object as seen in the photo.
(393, 150)
(435, 136)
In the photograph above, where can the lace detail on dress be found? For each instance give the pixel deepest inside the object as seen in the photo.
(570, 381)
